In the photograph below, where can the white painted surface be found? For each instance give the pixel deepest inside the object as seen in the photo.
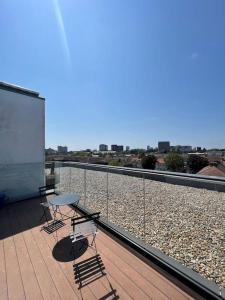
(22, 144)
(21, 128)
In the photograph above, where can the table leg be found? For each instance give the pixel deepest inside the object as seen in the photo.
(61, 215)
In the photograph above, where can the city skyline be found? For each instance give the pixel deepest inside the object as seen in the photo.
(120, 72)
(77, 148)
(108, 147)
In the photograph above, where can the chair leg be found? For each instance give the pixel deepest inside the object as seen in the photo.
(93, 241)
(96, 251)
(44, 215)
(54, 214)
(61, 214)
(46, 219)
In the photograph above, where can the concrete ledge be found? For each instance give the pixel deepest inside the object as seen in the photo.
(183, 179)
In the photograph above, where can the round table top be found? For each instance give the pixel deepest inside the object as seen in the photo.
(65, 199)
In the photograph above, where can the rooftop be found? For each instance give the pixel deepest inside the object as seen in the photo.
(211, 171)
(18, 89)
(35, 264)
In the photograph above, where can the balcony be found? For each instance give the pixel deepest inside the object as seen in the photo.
(161, 236)
(176, 220)
(35, 264)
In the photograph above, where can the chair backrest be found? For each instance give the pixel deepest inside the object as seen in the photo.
(46, 188)
(85, 218)
(84, 226)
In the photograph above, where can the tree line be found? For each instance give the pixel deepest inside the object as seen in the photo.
(175, 162)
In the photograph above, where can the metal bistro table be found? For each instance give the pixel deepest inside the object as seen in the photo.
(64, 199)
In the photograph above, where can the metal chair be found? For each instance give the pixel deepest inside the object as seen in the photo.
(84, 227)
(44, 191)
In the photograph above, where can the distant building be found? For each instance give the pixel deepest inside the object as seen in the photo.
(103, 147)
(117, 148)
(113, 147)
(62, 149)
(203, 154)
(218, 153)
(127, 148)
(182, 149)
(186, 149)
(120, 148)
(164, 147)
(149, 148)
(50, 151)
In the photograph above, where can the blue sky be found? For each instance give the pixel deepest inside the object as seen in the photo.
(125, 72)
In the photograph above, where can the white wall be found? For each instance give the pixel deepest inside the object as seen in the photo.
(22, 144)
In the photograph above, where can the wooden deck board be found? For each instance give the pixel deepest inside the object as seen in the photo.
(66, 268)
(63, 286)
(28, 275)
(47, 286)
(149, 274)
(29, 268)
(14, 279)
(94, 290)
(3, 278)
(136, 282)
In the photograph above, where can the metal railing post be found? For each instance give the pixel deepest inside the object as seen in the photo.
(107, 195)
(85, 187)
(70, 181)
(59, 179)
(144, 207)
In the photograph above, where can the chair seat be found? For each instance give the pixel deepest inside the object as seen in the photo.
(82, 231)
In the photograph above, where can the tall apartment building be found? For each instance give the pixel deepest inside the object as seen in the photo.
(120, 148)
(103, 147)
(22, 136)
(117, 148)
(62, 149)
(164, 147)
(113, 147)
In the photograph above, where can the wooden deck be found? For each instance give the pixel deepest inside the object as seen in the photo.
(35, 264)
